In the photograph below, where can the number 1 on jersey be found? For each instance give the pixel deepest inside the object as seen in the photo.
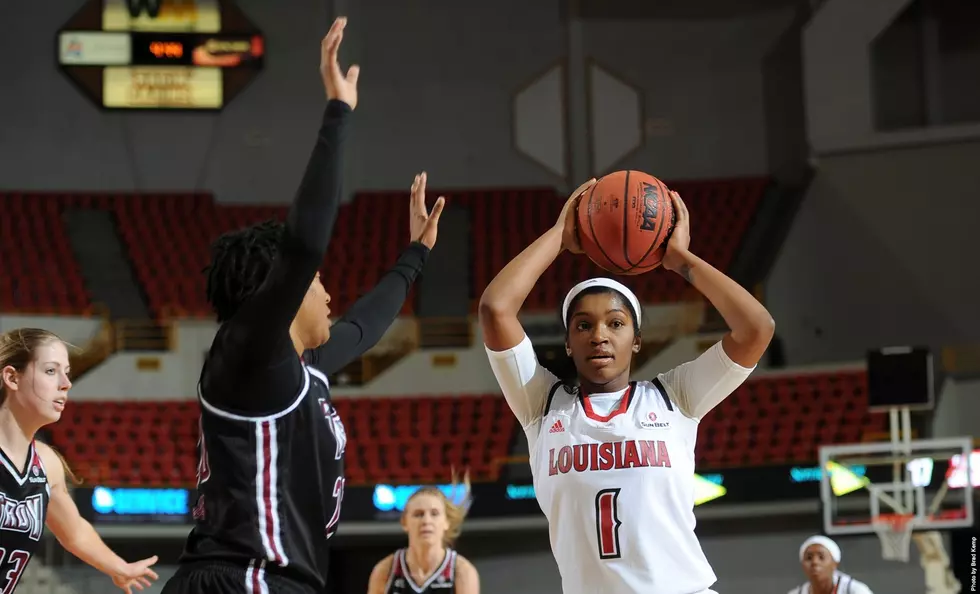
(607, 523)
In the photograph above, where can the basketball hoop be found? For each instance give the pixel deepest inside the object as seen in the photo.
(895, 533)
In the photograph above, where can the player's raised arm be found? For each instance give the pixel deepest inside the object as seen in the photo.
(702, 384)
(261, 309)
(523, 381)
(504, 296)
(370, 317)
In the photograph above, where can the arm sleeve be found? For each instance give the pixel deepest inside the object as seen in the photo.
(524, 382)
(698, 386)
(257, 336)
(371, 316)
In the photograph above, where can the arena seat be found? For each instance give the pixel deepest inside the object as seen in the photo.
(40, 273)
(389, 439)
(783, 419)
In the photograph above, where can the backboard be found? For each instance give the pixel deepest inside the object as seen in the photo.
(865, 483)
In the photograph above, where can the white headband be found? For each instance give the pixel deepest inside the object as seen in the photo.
(600, 282)
(823, 541)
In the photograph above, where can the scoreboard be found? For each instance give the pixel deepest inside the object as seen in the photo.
(182, 56)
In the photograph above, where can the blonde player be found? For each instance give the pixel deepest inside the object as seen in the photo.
(428, 564)
(819, 557)
(613, 460)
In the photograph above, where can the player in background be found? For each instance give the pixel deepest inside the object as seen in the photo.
(271, 474)
(429, 565)
(34, 388)
(613, 460)
(819, 557)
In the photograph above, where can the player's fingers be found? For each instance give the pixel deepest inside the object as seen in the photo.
(149, 561)
(145, 582)
(151, 574)
(419, 196)
(437, 210)
(353, 73)
(679, 206)
(415, 185)
(581, 189)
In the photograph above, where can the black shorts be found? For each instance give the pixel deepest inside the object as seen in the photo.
(219, 577)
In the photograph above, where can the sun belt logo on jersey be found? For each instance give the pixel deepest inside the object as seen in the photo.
(589, 457)
(651, 422)
(36, 478)
(336, 426)
(26, 516)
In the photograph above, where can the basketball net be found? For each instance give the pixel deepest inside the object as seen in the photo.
(895, 533)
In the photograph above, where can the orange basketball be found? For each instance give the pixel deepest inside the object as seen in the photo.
(624, 222)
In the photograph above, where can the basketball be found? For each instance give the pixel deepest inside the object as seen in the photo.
(624, 222)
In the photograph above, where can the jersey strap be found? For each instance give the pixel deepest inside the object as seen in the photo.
(663, 393)
(551, 396)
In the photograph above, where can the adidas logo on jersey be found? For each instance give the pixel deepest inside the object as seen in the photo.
(557, 427)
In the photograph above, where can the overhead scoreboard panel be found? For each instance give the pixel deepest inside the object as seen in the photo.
(160, 54)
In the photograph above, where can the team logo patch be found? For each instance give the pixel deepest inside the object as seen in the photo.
(651, 422)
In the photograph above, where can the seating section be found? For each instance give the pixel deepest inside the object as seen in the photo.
(389, 439)
(168, 238)
(420, 439)
(40, 274)
(783, 419)
(770, 420)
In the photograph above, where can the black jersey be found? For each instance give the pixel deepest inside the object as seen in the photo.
(271, 469)
(442, 580)
(270, 487)
(24, 500)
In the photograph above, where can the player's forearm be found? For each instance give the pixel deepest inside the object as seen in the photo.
(370, 317)
(506, 293)
(86, 544)
(314, 210)
(750, 323)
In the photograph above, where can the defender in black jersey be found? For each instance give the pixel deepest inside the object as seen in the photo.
(428, 565)
(34, 388)
(271, 471)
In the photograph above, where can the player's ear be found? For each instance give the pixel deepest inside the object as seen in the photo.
(637, 343)
(10, 377)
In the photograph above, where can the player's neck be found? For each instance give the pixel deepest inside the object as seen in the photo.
(15, 438)
(425, 559)
(823, 586)
(616, 385)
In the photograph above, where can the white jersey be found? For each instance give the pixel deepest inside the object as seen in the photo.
(843, 584)
(613, 473)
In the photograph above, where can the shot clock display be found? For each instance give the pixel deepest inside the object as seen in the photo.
(145, 65)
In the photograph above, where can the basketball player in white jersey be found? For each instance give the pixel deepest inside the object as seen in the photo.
(820, 557)
(613, 460)
(429, 565)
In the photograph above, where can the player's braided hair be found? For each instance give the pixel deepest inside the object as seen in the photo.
(240, 262)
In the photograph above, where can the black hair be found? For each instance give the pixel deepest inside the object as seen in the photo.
(240, 262)
(600, 290)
